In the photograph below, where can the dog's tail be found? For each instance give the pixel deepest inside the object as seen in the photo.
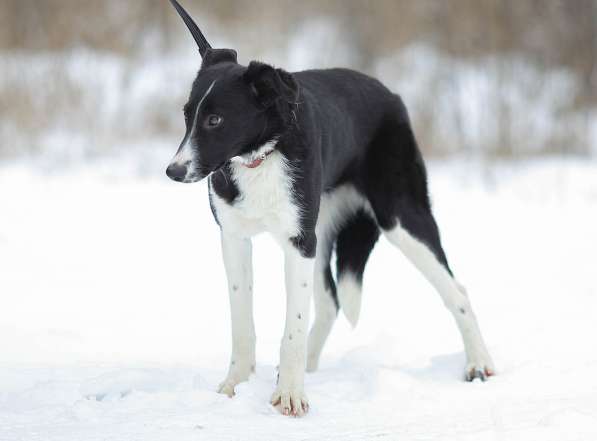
(354, 244)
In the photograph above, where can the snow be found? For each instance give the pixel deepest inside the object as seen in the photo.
(114, 321)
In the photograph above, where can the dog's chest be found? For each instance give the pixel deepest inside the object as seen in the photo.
(264, 201)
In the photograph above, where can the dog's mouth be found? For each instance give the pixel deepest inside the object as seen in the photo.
(192, 178)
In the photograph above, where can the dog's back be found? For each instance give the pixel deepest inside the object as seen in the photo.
(346, 109)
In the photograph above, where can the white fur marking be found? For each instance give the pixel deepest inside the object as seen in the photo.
(188, 153)
(451, 293)
(289, 391)
(265, 202)
(325, 315)
(336, 207)
(239, 271)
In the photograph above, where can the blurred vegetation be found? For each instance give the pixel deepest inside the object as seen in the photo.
(551, 35)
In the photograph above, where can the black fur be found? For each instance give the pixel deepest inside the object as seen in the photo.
(330, 285)
(354, 244)
(223, 185)
(215, 56)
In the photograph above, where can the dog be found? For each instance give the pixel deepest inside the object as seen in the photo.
(323, 160)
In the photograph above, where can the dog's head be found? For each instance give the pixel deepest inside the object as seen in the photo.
(232, 110)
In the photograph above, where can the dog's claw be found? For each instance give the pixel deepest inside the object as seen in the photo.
(482, 374)
(290, 403)
(477, 373)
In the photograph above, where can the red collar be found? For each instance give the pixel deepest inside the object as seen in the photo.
(257, 162)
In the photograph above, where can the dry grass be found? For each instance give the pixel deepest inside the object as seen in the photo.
(551, 34)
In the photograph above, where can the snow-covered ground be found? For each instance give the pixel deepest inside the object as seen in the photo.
(114, 321)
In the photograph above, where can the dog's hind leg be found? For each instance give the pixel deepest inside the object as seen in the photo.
(423, 249)
(354, 244)
(239, 271)
(324, 286)
(397, 190)
(326, 304)
(354, 231)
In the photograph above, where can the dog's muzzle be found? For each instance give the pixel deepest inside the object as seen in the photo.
(177, 172)
(184, 172)
(184, 166)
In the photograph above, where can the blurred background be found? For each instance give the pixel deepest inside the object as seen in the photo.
(482, 78)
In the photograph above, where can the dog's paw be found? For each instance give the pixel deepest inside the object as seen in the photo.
(293, 403)
(479, 369)
(226, 387)
(239, 372)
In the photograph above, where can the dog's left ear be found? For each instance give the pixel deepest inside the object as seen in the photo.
(270, 85)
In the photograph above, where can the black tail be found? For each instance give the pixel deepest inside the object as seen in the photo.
(354, 244)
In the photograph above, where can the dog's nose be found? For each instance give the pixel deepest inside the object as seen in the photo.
(176, 171)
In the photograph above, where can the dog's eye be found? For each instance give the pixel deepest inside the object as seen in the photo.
(213, 121)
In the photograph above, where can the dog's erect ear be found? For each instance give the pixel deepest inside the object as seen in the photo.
(270, 85)
(200, 39)
(215, 56)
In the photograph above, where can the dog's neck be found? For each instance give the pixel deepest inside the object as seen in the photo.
(257, 162)
(256, 157)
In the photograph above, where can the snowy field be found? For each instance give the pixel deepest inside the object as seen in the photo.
(114, 320)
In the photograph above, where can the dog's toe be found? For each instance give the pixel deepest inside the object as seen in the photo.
(226, 389)
(290, 403)
(480, 371)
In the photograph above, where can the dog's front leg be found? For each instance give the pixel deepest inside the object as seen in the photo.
(289, 394)
(239, 271)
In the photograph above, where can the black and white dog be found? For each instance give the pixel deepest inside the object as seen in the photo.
(322, 160)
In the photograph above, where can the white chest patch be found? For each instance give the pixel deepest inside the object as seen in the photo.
(264, 202)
